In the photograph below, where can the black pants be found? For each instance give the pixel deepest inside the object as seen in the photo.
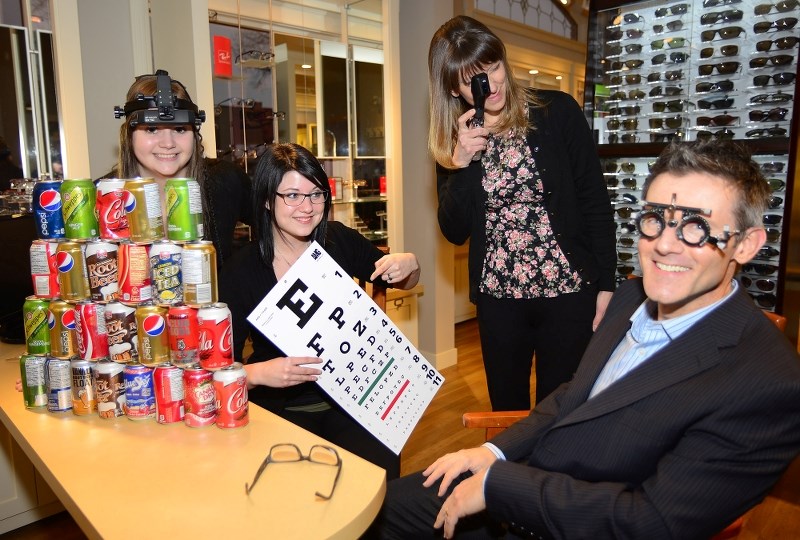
(339, 428)
(556, 329)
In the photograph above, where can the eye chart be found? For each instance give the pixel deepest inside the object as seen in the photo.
(369, 367)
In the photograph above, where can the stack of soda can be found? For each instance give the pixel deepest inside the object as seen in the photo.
(126, 299)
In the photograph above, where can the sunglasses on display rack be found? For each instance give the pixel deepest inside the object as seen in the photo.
(779, 78)
(676, 105)
(625, 212)
(677, 9)
(780, 7)
(729, 32)
(760, 269)
(776, 184)
(627, 138)
(630, 64)
(715, 121)
(779, 60)
(787, 42)
(715, 3)
(672, 43)
(775, 115)
(629, 110)
(626, 241)
(731, 15)
(781, 24)
(760, 133)
(773, 166)
(665, 91)
(723, 134)
(774, 202)
(772, 219)
(665, 137)
(773, 235)
(672, 26)
(767, 252)
(723, 68)
(725, 50)
(628, 18)
(762, 284)
(780, 97)
(627, 124)
(672, 122)
(675, 58)
(766, 301)
(724, 103)
(719, 86)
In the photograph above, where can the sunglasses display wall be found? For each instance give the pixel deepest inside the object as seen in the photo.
(687, 70)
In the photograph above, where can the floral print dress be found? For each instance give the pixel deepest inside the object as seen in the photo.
(523, 259)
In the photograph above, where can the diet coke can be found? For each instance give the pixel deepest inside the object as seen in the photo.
(63, 334)
(123, 341)
(151, 327)
(165, 272)
(101, 269)
(140, 395)
(183, 335)
(90, 328)
(199, 398)
(216, 336)
(168, 384)
(230, 387)
(84, 401)
(110, 208)
(133, 266)
(44, 271)
(109, 386)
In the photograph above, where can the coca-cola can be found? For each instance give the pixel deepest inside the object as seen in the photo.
(133, 265)
(200, 402)
(216, 336)
(44, 269)
(140, 394)
(151, 328)
(109, 386)
(84, 400)
(230, 388)
(184, 335)
(101, 268)
(168, 384)
(165, 272)
(63, 333)
(110, 208)
(90, 329)
(123, 341)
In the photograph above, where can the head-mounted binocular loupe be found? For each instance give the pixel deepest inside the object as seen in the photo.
(161, 109)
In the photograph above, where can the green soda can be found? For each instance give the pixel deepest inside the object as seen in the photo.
(184, 209)
(36, 314)
(78, 198)
(34, 384)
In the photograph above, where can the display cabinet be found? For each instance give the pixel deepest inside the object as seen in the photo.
(723, 69)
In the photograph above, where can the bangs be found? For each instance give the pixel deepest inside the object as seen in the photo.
(468, 59)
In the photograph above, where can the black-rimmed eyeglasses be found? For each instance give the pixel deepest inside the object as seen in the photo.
(290, 453)
(295, 198)
(693, 229)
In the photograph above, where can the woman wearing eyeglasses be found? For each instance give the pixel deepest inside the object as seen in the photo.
(534, 207)
(291, 202)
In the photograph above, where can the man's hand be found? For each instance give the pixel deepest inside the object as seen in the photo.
(450, 466)
(466, 499)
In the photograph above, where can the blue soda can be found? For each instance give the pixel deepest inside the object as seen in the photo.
(47, 209)
(140, 396)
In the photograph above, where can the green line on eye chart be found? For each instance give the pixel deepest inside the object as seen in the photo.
(378, 378)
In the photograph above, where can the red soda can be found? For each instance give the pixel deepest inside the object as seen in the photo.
(109, 388)
(140, 396)
(216, 336)
(63, 335)
(133, 266)
(101, 269)
(168, 385)
(183, 335)
(151, 328)
(90, 328)
(44, 271)
(199, 398)
(110, 209)
(230, 387)
(123, 340)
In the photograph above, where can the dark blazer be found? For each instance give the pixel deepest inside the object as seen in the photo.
(576, 197)
(679, 448)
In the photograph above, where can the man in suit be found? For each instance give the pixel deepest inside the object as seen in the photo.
(685, 409)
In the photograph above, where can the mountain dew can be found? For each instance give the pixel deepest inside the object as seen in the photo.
(78, 198)
(184, 209)
(35, 314)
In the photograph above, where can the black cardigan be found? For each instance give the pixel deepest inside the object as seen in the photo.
(575, 195)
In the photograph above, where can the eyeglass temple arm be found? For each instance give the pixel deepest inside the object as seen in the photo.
(335, 480)
(249, 488)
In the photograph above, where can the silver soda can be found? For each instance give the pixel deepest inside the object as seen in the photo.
(140, 396)
(84, 401)
(101, 268)
(109, 385)
(58, 373)
(123, 341)
(165, 272)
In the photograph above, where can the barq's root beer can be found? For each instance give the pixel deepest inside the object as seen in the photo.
(78, 198)
(151, 327)
(143, 208)
(34, 380)
(90, 326)
(111, 218)
(199, 269)
(44, 272)
(35, 317)
(63, 329)
(72, 277)
(123, 341)
(109, 385)
(184, 203)
(84, 401)
(216, 336)
(184, 334)
(200, 404)
(165, 272)
(140, 395)
(101, 269)
(133, 271)
(230, 387)
(168, 384)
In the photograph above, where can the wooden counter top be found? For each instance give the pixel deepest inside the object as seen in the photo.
(133, 479)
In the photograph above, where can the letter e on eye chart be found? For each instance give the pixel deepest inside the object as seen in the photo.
(369, 367)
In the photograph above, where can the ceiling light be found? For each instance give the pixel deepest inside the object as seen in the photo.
(533, 71)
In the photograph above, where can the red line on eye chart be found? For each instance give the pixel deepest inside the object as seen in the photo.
(389, 409)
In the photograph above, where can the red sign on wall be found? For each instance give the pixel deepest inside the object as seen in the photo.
(223, 63)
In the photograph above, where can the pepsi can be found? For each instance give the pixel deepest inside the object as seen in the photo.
(47, 209)
(73, 279)
(151, 326)
(63, 334)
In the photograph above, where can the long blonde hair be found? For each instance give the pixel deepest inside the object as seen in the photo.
(463, 45)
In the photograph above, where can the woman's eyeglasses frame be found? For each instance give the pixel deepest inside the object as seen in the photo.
(299, 457)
